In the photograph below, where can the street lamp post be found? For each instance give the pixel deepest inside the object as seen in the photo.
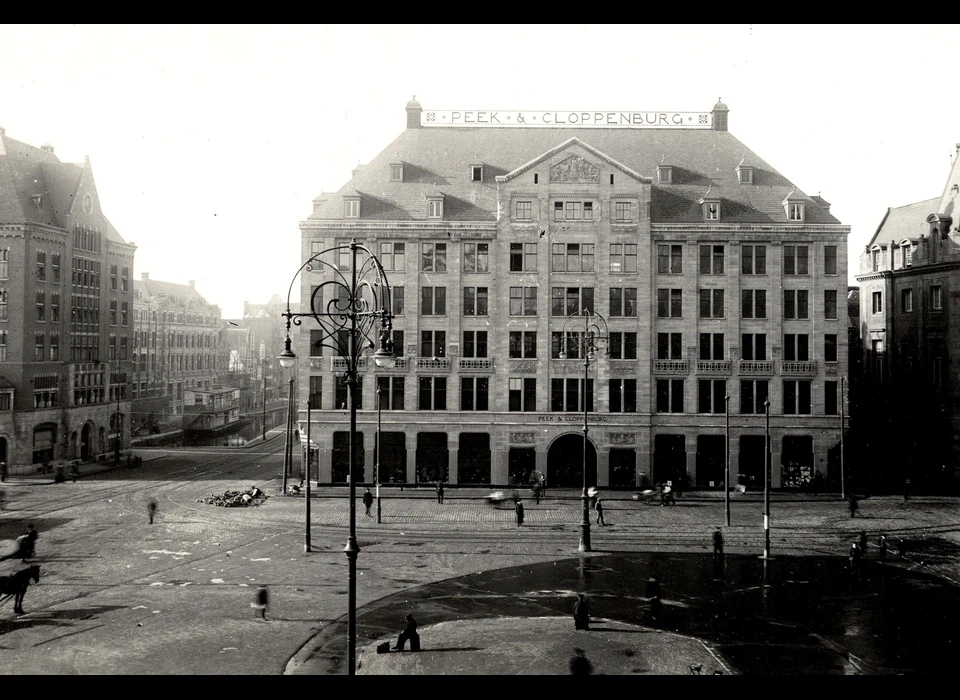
(288, 446)
(263, 401)
(587, 342)
(347, 314)
(306, 541)
(376, 469)
(843, 493)
(118, 423)
(726, 473)
(766, 484)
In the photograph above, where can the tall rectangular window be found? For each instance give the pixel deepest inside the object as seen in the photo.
(523, 210)
(753, 347)
(475, 257)
(669, 396)
(796, 396)
(936, 298)
(830, 307)
(795, 260)
(830, 260)
(711, 346)
(565, 394)
(124, 313)
(41, 307)
(753, 394)
(522, 394)
(711, 260)
(390, 392)
(432, 394)
(315, 397)
(710, 396)
(711, 303)
(670, 259)
(753, 303)
(433, 343)
(830, 394)
(55, 266)
(906, 301)
(474, 344)
(474, 301)
(795, 303)
(523, 301)
(623, 346)
(669, 303)
(113, 277)
(4, 265)
(38, 346)
(124, 279)
(316, 342)
(41, 265)
(433, 257)
(753, 260)
(877, 301)
(433, 301)
(396, 294)
(393, 257)
(474, 393)
(623, 257)
(796, 347)
(669, 346)
(523, 257)
(523, 344)
(3, 305)
(623, 395)
(830, 347)
(113, 312)
(3, 346)
(623, 301)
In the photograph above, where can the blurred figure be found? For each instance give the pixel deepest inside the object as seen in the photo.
(579, 663)
(367, 501)
(855, 555)
(863, 542)
(3, 471)
(440, 492)
(598, 506)
(882, 548)
(581, 613)
(853, 505)
(717, 543)
(409, 633)
(519, 509)
(151, 509)
(261, 601)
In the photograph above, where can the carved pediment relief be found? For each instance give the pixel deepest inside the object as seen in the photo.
(574, 169)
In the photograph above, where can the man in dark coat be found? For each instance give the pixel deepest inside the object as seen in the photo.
(519, 509)
(581, 613)
(409, 633)
(367, 500)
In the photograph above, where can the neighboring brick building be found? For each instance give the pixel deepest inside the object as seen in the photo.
(65, 302)
(910, 325)
(178, 347)
(716, 276)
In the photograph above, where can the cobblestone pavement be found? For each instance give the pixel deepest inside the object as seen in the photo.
(120, 596)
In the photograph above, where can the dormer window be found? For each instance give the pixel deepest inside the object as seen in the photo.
(907, 248)
(876, 258)
(476, 173)
(711, 210)
(665, 174)
(794, 211)
(435, 207)
(351, 207)
(745, 175)
(396, 172)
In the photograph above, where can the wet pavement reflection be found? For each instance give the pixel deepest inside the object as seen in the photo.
(784, 616)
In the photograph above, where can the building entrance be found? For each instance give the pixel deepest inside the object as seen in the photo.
(433, 458)
(340, 468)
(393, 465)
(711, 460)
(751, 462)
(669, 458)
(521, 464)
(797, 461)
(473, 459)
(565, 462)
(623, 467)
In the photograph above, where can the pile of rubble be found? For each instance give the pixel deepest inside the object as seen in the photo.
(233, 499)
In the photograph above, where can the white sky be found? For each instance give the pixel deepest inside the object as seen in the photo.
(208, 142)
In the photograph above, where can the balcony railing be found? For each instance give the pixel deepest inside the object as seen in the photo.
(758, 367)
(713, 366)
(670, 367)
(798, 369)
(341, 364)
(475, 364)
(433, 364)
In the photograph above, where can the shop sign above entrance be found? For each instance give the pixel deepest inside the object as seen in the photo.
(617, 119)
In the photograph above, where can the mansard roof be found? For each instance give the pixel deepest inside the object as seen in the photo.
(437, 160)
(908, 221)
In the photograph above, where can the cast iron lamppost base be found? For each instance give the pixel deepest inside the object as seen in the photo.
(357, 299)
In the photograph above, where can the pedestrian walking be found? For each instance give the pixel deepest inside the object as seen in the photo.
(536, 493)
(882, 548)
(853, 505)
(579, 663)
(855, 555)
(519, 510)
(680, 481)
(261, 601)
(598, 506)
(581, 613)
(543, 486)
(3, 471)
(367, 501)
(440, 492)
(906, 490)
(717, 543)
(151, 509)
(410, 634)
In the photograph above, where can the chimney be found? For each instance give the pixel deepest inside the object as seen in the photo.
(414, 110)
(720, 111)
(47, 147)
(144, 275)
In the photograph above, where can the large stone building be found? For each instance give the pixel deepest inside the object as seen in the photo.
(178, 348)
(715, 276)
(909, 322)
(66, 298)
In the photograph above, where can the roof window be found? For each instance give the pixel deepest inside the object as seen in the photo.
(664, 174)
(396, 172)
(476, 173)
